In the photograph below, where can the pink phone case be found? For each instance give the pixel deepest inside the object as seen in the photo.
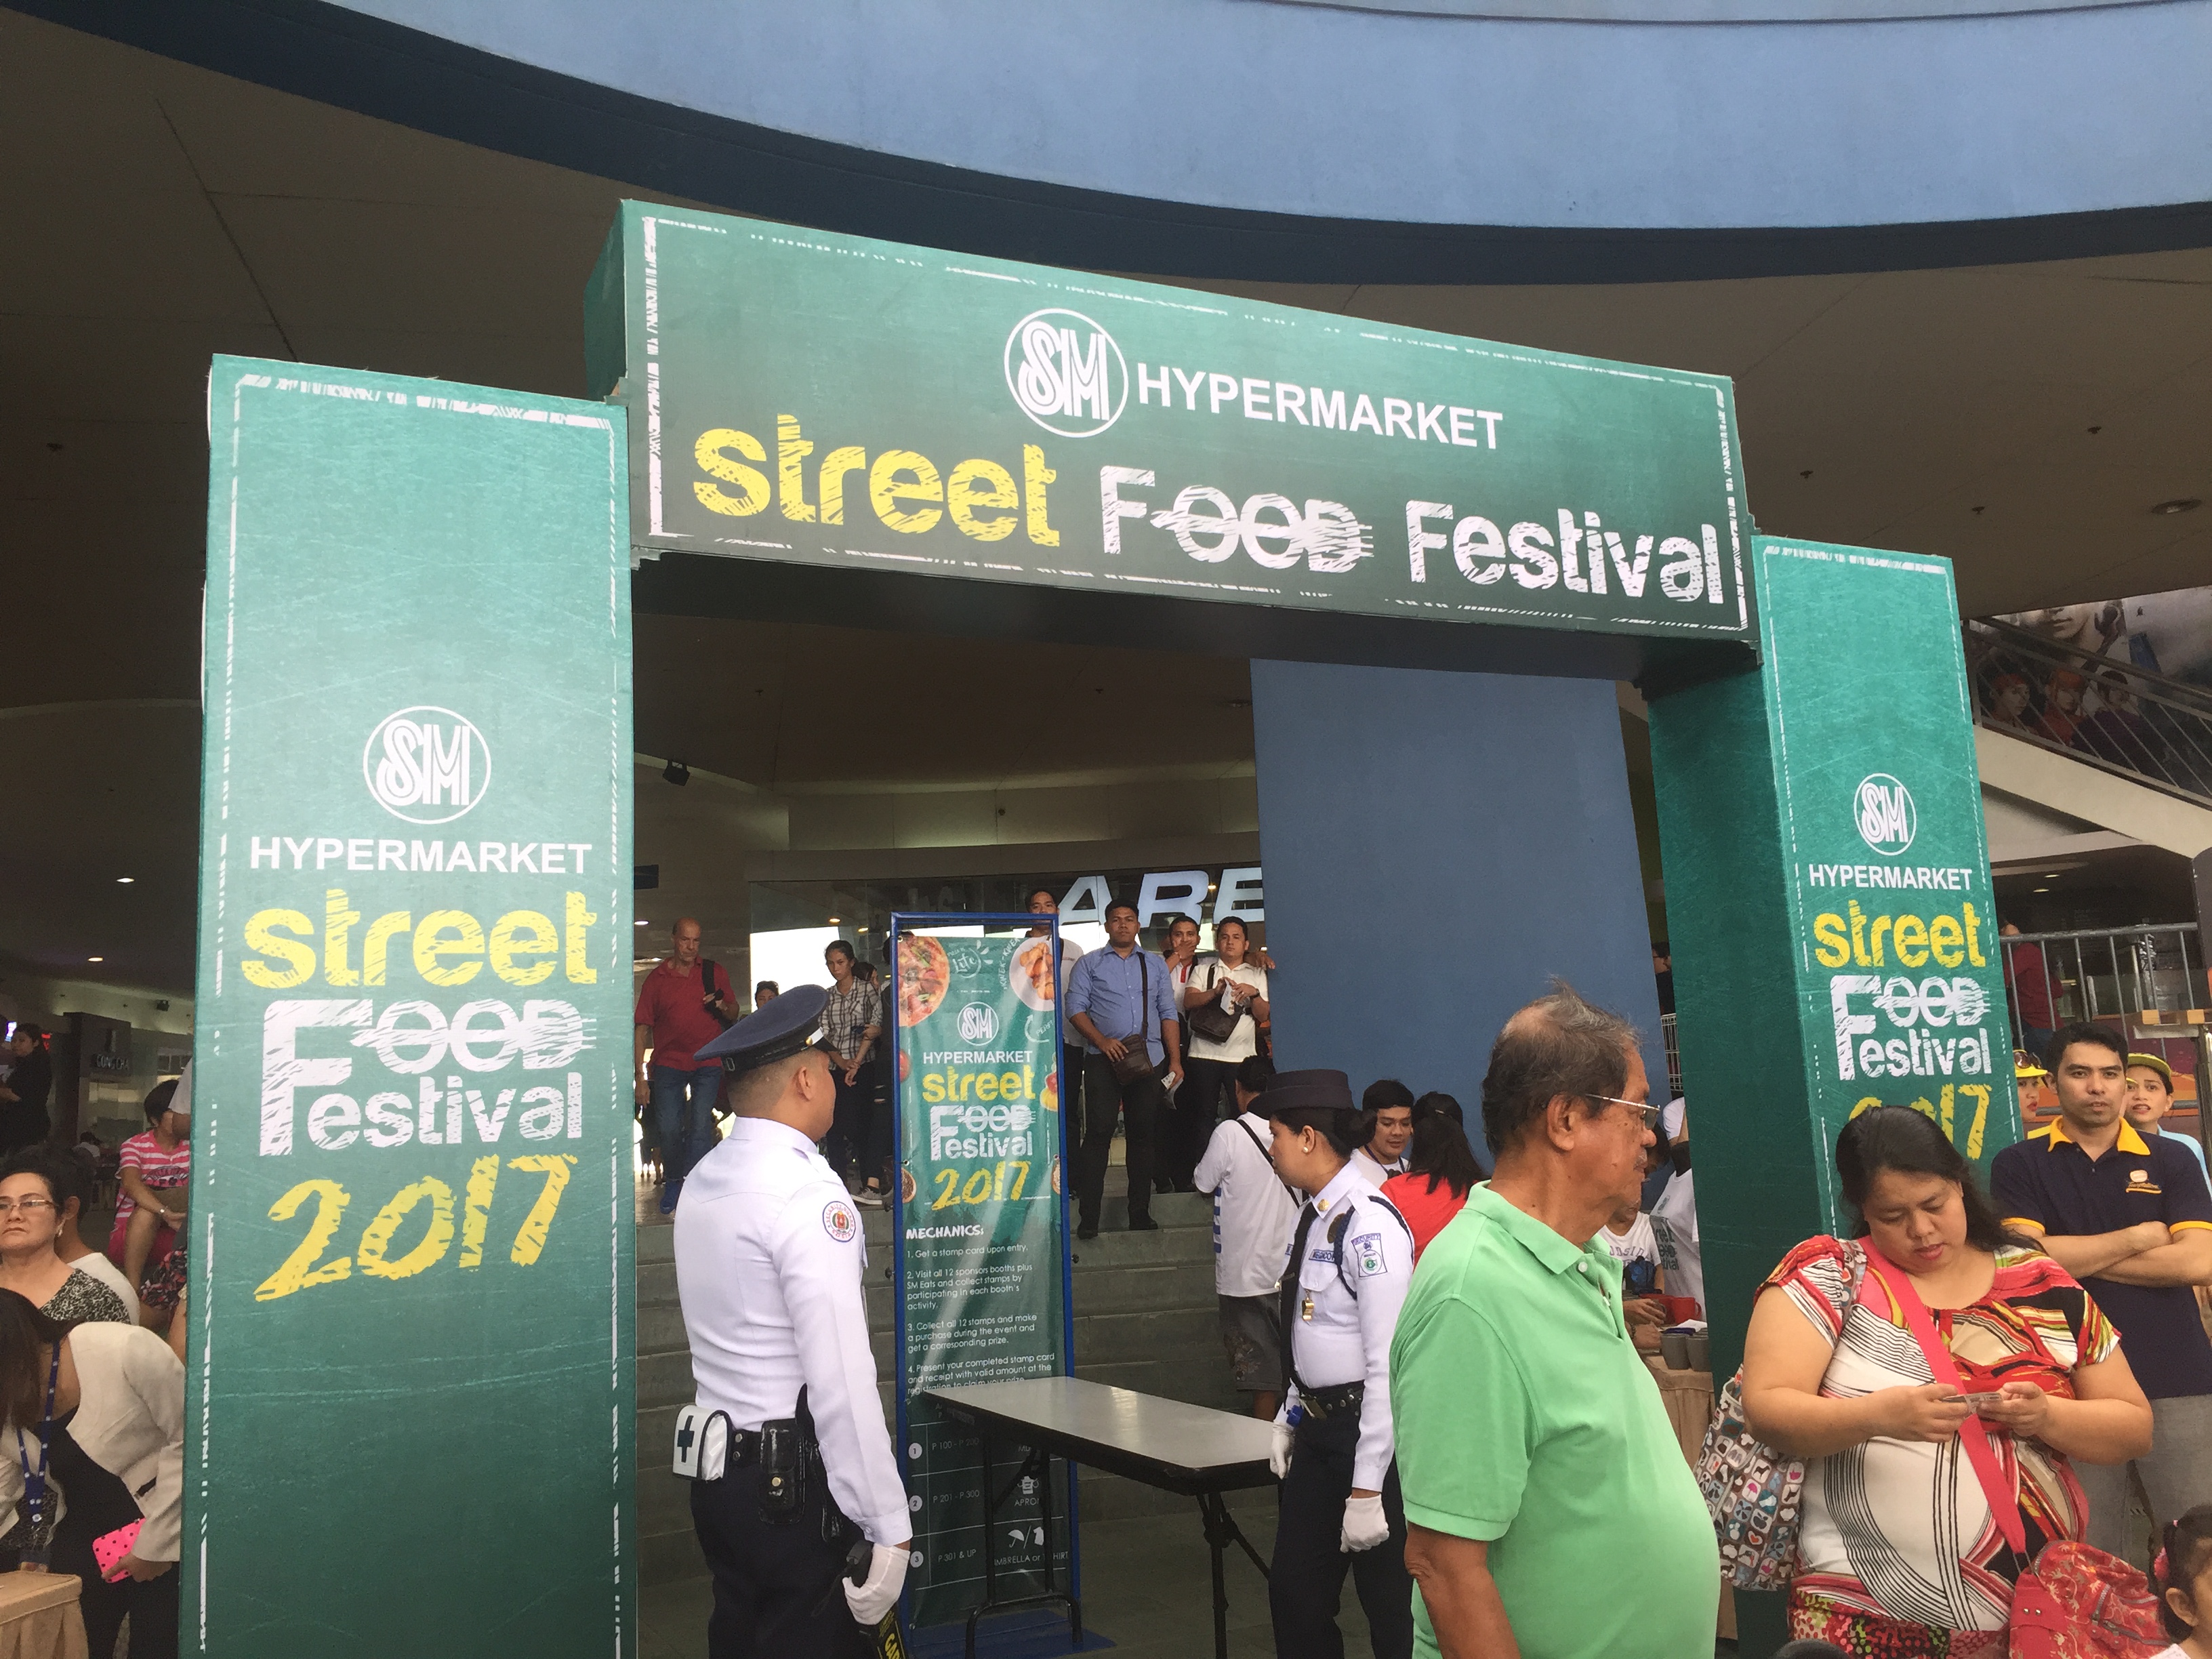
(109, 1549)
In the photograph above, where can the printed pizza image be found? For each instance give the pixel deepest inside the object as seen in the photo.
(1031, 976)
(1049, 1095)
(923, 975)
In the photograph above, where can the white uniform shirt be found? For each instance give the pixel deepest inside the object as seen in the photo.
(1373, 1170)
(768, 1264)
(1253, 1212)
(1348, 1338)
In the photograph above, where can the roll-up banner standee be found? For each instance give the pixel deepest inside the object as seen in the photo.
(981, 1272)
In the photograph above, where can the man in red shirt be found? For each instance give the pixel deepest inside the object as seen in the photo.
(678, 1012)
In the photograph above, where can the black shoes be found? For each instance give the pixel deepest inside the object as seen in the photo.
(1088, 1230)
(1143, 1224)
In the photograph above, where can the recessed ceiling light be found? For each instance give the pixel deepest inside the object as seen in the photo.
(2179, 504)
(642, 923)
(2043, 889)
(96, 958)
(833, 922)
(126, 880)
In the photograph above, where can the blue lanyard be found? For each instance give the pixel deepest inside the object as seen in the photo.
(34, 1486)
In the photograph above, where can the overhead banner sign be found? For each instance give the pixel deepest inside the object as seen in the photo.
(412, 1357)
(1901, 983)
(982, 1224)
(836, 401)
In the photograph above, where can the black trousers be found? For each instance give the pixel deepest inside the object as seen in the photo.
(1104, 1096)
(1196, 1109)
(1305, 1582)
(853, 1106)
(776, 1592)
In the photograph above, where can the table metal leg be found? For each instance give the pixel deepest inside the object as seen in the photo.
(1221, 1530)
(1035, 1462)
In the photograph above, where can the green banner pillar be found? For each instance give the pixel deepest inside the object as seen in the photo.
(412, 1339)
(1829, 909)
(1828, 901)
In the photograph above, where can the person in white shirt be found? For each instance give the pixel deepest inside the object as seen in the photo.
(769, 1262)
(1335, 1448)
(1254, 1214)
(1232, 982)
(1674, 1212)
(1386, 1108)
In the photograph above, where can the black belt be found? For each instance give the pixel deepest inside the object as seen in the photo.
(1339, 1400)
(745, 1446)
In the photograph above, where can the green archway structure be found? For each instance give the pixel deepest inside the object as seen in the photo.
(412, 1349)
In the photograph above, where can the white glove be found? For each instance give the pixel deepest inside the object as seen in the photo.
(879, 1593)
(1279, 1452)
(1365, 1525)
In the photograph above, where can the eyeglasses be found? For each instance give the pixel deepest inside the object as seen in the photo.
(1651, 1114)
(28, 1205)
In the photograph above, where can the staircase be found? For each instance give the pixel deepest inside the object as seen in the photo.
(1145, 1319)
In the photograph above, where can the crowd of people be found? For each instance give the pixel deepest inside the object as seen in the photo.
(92, 1378)
(2090, 704)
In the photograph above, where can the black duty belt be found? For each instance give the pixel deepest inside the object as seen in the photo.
(1341, 1399)
(745, 1446)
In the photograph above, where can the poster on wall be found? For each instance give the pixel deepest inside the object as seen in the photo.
(411, 1352)
(981, 1282)
(1901, 986)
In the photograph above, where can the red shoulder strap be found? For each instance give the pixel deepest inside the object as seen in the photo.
(1982, 1456)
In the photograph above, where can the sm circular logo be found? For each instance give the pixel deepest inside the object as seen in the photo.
(426, 765)
(1066, 372)
(979, 1024)
(1883, 809)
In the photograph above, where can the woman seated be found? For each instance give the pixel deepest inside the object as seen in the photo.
(31, 1264)
(99, 1412)
(1898, 1553)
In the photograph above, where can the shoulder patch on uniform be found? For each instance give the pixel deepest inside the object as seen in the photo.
(839, 1221)
(1367, 1251)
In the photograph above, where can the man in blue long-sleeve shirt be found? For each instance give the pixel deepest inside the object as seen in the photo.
(1116, 998)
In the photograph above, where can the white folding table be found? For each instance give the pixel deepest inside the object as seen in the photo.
(1194, 1450)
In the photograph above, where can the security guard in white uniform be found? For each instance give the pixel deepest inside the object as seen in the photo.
(769, 1263)
(1351, 1261)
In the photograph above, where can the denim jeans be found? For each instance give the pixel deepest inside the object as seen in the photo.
(683, 1107)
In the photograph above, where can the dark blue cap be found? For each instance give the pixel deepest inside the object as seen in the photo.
(1291, 1092)
(789, 1024)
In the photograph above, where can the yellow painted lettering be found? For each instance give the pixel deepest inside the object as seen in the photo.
(1832, 949)
(379, 946)
(1858, 934)
(261, 934)
(448, 933)
(830, 484)
(791, 449)
(578, 925)
(886, 488)
(1874, 938)
(932, 1089)
(1910, 937)
(987, 1086)
(753, 484)
(1946, 941)
(523, 933)
(1035, 475)
(962, 498)
(1015, 1086)
(337, 937)
(1974, 944)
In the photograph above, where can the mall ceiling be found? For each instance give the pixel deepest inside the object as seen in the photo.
(2022, 421)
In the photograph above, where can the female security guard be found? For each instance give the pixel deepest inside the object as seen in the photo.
(1351, 1261)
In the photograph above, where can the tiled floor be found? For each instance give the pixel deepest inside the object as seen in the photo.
(1146, 1584)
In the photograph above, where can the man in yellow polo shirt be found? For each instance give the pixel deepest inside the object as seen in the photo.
(1532, 1444)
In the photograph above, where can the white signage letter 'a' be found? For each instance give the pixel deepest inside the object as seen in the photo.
(282, 1071)
(1168, 892)
(1086, 902)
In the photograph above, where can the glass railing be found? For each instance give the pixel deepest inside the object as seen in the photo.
(2102, 711)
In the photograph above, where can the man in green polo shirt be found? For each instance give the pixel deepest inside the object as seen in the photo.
(1533, 1451)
